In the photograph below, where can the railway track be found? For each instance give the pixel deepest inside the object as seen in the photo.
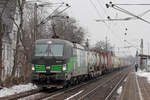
(106, 89)
(108, 97)
(39, 93)
(82, 91)
(57, 92)
(89, 91)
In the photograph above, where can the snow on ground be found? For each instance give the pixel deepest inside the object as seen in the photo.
(17, 89)
(144, 74)
(119, 90)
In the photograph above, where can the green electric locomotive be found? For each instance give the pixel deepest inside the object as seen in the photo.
(57, 63)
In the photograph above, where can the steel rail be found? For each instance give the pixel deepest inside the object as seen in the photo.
(115, 87)
(50, 96)
(84, 96)
(62, 91)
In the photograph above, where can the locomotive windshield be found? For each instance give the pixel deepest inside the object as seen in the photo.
(56, 50)
(41, 50)
(49, 50)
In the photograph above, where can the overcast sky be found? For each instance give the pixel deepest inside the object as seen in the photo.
(86, 14)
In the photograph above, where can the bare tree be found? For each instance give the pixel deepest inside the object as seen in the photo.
(1, 35)
(103, 46)
(68, 29)
(20, 32)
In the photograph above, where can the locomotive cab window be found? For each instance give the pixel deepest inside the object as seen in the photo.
(49, 50)
(41, 50)
(56, 50)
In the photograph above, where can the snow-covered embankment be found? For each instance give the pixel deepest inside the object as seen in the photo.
(17, 89)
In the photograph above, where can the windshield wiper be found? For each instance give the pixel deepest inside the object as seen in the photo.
(52, 54)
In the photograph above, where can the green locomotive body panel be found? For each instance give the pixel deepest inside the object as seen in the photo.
(70, 64)
(56, 68)
(39, 67)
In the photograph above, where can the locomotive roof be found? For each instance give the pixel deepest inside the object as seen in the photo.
(49, 41)
(78, 46)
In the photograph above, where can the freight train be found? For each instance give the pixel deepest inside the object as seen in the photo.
(58, 63)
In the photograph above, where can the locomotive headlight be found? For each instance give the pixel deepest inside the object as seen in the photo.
(64, 67)
(33, 68)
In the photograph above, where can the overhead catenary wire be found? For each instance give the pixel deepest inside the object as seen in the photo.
(135, 16)
(105, 12)
(45, 20)
(95, 8)
(104, 22)
(125, 19)
(50, 16)
(134, 4)
(131, 44)
(107, 25)
(102, 7)
(127, 12)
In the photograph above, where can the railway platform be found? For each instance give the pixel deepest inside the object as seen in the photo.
(135, 88)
